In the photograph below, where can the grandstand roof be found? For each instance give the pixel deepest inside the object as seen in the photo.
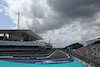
(93, 38)
(21, 32)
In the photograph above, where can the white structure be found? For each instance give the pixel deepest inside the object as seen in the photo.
(20, 42)
(47, 45)
(92, 40)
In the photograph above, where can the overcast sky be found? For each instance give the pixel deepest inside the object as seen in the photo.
(61, 22)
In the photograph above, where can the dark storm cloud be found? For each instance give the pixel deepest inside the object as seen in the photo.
(50, 23)
(75, 8)
(67, 11)
(38, 11)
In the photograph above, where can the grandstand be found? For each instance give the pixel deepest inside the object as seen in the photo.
(92, 50)
(48, 46)
(20, 42)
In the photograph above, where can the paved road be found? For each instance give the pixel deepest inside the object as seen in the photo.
(58, 54)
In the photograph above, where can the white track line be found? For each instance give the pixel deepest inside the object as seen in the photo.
(51, 54)
(65, 53)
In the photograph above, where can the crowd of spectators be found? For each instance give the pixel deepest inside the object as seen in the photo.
(92, 51)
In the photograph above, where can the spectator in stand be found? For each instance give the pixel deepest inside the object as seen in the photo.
(92, 50)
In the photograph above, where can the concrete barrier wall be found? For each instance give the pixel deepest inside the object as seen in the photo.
(58, 61)
(6, 56)
(89, 60)
(82, 62)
